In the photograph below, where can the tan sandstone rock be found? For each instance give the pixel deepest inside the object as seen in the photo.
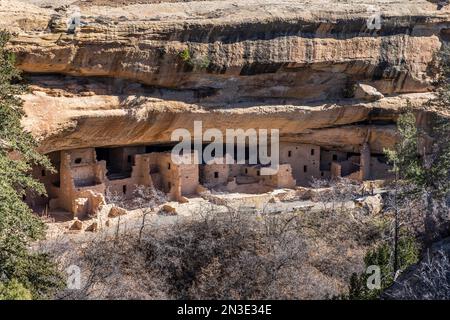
(372, 204)
(93, 227)
(169, 209)
(263, 64)
(116, 211)
(366, 92)
(76, 225)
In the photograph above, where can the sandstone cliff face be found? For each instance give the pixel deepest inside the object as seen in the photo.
(63, 119)
(132, 74)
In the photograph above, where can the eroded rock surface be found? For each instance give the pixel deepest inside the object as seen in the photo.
(131, 74)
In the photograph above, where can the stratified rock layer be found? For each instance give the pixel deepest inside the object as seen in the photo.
(232, 64)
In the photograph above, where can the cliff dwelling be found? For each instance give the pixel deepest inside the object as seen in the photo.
(86, 176)
(105, 117)
(107, 89)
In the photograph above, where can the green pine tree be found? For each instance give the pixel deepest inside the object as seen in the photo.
(382, 257)
(14, 290)
(23, 274)
(405, 158)
(427, 173)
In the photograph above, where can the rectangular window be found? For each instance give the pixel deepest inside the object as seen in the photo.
(334, 157)
(169, 185)
(312, 152)
(305, 168)
(43, 173)
(129, 159)
(289, 153)
(216, 175)
(124, 189)
(258, 173)
(78, 160)
(168, 166)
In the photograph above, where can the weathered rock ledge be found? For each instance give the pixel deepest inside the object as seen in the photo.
(64, 120)
(240, 64)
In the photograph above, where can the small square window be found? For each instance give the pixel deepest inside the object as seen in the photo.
(216, 175)
(78, 160)
(334, 157)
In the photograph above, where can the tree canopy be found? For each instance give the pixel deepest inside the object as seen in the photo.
(23, 274)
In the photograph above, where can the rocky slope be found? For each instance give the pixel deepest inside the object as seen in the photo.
(131, 74)
(427, 280)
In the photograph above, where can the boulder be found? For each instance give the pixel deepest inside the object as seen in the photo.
(93, 227)
(372, 204)
(168, 209)
(116, 211)
(366, 92)
(76, 225)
